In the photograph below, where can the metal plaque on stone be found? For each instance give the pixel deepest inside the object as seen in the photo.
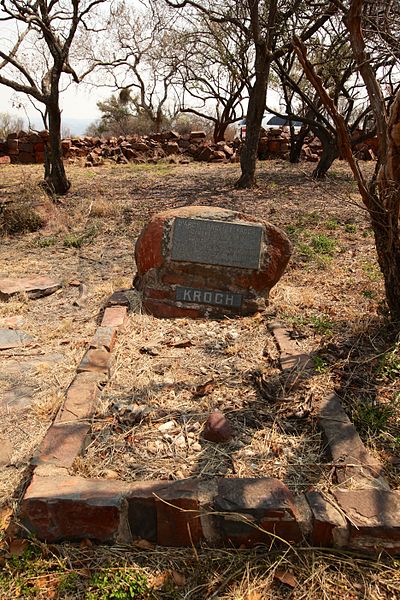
(213, 297)
(216, 243)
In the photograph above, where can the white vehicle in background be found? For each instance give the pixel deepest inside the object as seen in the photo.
(269, 122)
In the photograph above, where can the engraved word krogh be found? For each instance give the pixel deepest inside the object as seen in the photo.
(187, 294)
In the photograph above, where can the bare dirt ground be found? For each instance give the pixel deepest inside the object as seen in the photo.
(331, 295)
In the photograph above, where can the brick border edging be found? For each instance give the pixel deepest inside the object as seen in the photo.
(237, 511)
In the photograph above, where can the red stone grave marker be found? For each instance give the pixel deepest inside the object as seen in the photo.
(201, 261)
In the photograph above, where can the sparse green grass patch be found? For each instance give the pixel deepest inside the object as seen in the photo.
(75, 240)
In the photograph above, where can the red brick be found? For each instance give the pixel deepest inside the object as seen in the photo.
(263, 510)
(345, 446)
(96, 361)
(178, 516)
(114, 316)
(62, 443)
(158, 294)
(329, 527)
(168, 311)
(118, 298)
(148, 248)
(81, 398)
(72, 508)
(104, 337)
(374, 518)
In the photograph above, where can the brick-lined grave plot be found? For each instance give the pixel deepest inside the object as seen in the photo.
(170, 376)
(182, 430)
(357, 510)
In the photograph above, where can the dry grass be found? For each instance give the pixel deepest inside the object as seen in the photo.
(176, 373)
(331, 295)
(71, 572)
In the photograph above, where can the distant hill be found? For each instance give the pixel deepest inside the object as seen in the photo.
(77, 126)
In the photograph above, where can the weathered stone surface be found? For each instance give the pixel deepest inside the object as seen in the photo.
(329, 527)
(12, 322)
(225, 258)
(264, 510)
(345, 446)
(291, 356)
(374, 518)
(24, 366)
(13, 338)
(73, 508)
(80, 398)
(104, 337)
(6, 451)
(114, 316)
(95, 360)
(18, 396)
(217, 428)
(34, 287)
(63, 442)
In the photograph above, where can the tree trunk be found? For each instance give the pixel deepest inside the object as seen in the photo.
(158, 121)
(329, 154)
(297, 142)
(255, 112)
(54, 174)
(387, 243)
(258, 93)
(219, 131)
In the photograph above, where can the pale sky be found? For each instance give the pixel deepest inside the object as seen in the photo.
(77, 102)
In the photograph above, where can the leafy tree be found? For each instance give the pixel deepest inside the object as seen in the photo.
(116, 118)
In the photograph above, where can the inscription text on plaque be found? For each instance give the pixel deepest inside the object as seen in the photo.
(216, 243)
(187, 294)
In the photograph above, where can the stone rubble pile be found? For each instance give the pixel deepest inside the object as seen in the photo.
(25, 148)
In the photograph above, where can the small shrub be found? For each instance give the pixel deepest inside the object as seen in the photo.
(322, 324)
(368, 294)
(372, 271)
(320, 365)
(332, 224)
(389, 367)
(305, 251)
(121, 584)
(19, 218)
(46, 242)
(371, 417)
(350, 228)
(323, 244)
(75, 240)
(367, 233)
